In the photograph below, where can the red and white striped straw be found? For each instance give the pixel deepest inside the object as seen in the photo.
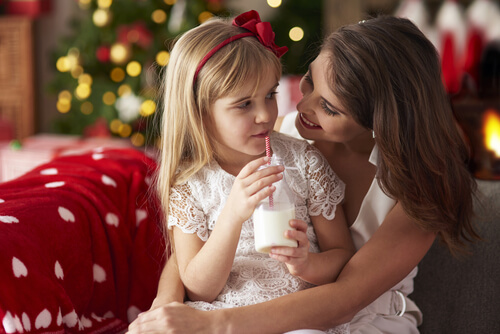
(268, 154)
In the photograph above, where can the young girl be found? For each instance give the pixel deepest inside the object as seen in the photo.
(220, 105)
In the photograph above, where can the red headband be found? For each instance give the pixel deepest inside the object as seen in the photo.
(250, 21)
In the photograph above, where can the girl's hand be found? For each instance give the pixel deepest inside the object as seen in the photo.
(295, 258)
(250, 187)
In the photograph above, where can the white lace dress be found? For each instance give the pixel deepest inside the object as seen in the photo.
(255, 277)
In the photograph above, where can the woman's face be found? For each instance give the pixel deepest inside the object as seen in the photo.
(321, 115)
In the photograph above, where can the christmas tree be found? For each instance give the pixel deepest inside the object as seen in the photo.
(108, 69)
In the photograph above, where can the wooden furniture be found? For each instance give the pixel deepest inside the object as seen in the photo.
(17, 75)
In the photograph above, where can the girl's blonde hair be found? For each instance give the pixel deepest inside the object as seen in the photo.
(186, 145)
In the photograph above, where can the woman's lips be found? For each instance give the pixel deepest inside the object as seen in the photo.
(307, 123)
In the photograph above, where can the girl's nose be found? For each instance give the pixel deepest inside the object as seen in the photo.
(263, 114)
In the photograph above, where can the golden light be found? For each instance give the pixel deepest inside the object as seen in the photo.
(87, 108)
(134, 68)
(65, 95)
(84, 4)
(63, 64)
(296, 34)
(119, 53)
(109, 98)
(170, 2)
(115, 125)
(159, 16)
(101, 17)
(274, 3)
(63, 106)
(204, 16)
(148, 107)
(162, 58)
(104, 3)
(124, 130)
(491, 131)
(83, 91)
(124, 90)
(76, 71)
(85, 78)
(117, 74)
(137, 139)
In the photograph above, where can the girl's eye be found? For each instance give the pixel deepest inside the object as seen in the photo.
(244, 105)
(327, 110)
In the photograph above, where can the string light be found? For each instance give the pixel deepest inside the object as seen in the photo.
(124, 90)
(87, 108)
(137, 139)
(119, 53)
(296, 34)
(204, 16)
(170, 2)
(274, 3)
(162, 58)
(101, 17)
(124, 130)
(115, 125)
(104, 3)
(117, 74)
(76, 71)
(134, 68)
(63, 64)
(84, 4)
(83, 91)
(109, 98)
(85, 78)
(148, 107)
(159, 16)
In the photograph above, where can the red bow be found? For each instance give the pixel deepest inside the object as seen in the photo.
(262, 30)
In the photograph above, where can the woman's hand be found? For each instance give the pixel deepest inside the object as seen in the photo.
(295, 258)
(172, 318)
(250, 187)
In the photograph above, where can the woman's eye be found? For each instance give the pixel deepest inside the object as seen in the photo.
(271, 95)
(307, 78)
(327, 110)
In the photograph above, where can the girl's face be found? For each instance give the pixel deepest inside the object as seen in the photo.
(321, 115)
(241, 121)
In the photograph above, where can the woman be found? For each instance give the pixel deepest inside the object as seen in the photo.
(375, 106)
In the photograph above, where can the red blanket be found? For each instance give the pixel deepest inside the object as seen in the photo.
(81, 249)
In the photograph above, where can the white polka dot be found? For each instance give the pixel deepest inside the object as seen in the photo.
(148, 180)
(43, 320)
(8, 323)
(8, 219)
(86, 322)
(96, 317)
(49, 171)
(132, 313)
(99, 274)
(108, 315)
(97, 156)
(140, 215)
(108, 181)
(112, 219)
(66, 215)
(54, 184)
(19, 268)
(59, 318)
(26, 322)
(70, 319)
(2, 201)
(19, 325)
(98, 149)
(58, 270)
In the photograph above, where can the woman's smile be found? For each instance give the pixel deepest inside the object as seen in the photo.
(307, 123)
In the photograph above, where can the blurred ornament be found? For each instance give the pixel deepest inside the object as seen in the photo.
(98, 129)
(103, 54)
(177, 14)
(101, 17)
(136, 33)
(415, 11)
(128, 107)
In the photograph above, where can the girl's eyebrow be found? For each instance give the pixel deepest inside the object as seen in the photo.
(241, 99)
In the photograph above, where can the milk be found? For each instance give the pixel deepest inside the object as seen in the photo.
(270, 224)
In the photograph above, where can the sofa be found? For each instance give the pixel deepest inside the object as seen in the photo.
(462, 295)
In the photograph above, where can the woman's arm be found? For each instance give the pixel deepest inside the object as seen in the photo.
(336, 248)
(392, 252)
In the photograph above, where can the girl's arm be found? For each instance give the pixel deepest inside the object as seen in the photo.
(170, 287)
(336, 248)
(392, 252)
(205, 266)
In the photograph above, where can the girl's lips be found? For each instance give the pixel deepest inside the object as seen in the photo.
(262, 134)
(307, 123)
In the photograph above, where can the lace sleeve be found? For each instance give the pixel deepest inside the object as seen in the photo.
(326, 190)
(185, 214)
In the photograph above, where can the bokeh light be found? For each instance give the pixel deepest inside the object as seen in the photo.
(274, 3)
(296, 34)
(134, 68)
(159, 16)
(162, 58)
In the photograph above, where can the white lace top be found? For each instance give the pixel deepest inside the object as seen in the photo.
(255, 277)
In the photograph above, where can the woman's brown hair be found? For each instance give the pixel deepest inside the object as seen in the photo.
(388, 76)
